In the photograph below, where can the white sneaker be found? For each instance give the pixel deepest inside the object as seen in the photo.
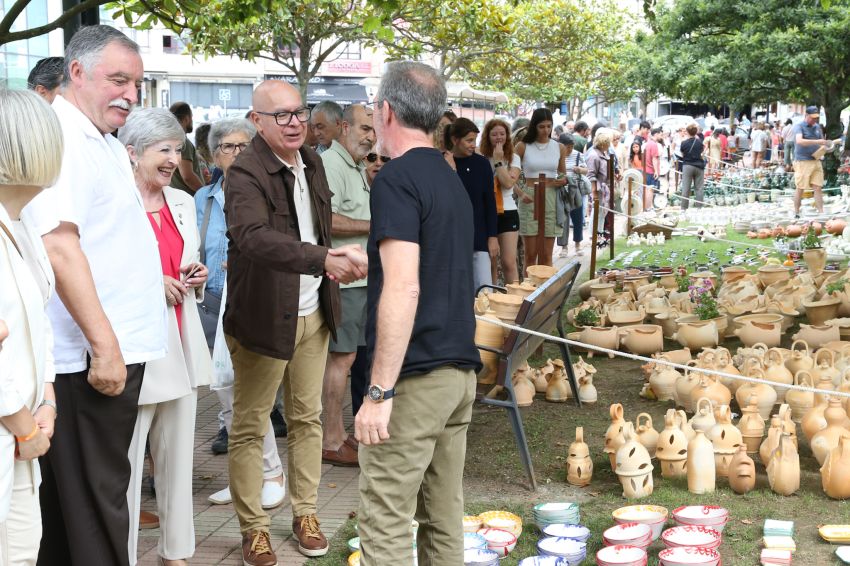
(564, 253)
(271, 497)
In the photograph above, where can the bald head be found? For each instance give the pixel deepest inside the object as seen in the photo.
(269, 91)
(275, 97)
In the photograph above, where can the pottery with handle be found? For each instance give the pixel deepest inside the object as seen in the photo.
(799, 360)
(579, 464)
(557, 390)
(751, 426)
(783, 470)
(646, 433)
(672, 448)
(703, 418)
(663, 381)
(826, 439)
(614, 434)
(800, 401)
(765, 394)
(835, 471)
(776, 372)
(725, 438)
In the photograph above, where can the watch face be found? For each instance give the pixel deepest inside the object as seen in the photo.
(375, 393)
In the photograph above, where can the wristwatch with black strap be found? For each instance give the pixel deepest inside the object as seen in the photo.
(378, 394)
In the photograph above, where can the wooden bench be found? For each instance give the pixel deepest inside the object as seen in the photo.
(540, 312)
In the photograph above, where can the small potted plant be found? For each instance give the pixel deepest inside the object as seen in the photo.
(587, 317)
(702, 296)
(813, 254)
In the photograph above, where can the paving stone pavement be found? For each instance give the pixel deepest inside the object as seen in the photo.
(217, 536)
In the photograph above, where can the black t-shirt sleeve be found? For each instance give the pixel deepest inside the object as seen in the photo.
(396, 209)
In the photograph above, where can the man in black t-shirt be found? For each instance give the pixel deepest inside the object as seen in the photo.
(419, 333)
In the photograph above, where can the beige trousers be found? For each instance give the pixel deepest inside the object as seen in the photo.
(256, 380)
(20, 533)
(418, 473)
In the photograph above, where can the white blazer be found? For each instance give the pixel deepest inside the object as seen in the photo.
(26, 358)
(187, 364)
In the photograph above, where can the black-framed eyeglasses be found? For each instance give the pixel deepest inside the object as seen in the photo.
(373, 157)
(284, 118)
(228, 148)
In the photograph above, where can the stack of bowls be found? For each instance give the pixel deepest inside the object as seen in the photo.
(575, 532)
(544, 561)
(474, 540)
(354, 544)
(696, 536)
(621, 555)
(653, 515)
(498, 540)
(689, 556)
(705, 515)
(480, 557)
(472, 524)
(629, 534)
(572, 551)
(502, 520)
(562, 513)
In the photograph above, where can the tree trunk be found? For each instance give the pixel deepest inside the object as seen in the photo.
(833, 106)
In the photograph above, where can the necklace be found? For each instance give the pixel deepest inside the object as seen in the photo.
(542, 146)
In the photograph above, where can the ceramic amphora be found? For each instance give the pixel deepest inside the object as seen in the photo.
(771, 441)
(765, 394)
(776, 372)
(523, 386)
(587, 391)
(703, 418)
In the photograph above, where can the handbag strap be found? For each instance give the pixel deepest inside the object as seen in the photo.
(12, 238)
(204, 225)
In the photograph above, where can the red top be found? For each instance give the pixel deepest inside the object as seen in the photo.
(170, 248)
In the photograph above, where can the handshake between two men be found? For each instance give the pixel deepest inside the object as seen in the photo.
(346, 264)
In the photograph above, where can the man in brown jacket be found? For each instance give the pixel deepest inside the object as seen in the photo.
(282, 306)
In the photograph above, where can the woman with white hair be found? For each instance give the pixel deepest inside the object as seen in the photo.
(30, 159)
(167, 402)
(597, 159)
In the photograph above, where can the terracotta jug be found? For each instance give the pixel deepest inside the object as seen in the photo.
(579, 464)
(685, 426)
(557, 390)
(799, 360)
(541, 376)
(614, 434)
(771, 441)
(765, 394)
(633, 466)
(825, 440)
(788, 424)
(800, 401)
(824, 368)
(582, 368)
(712, 390)
(600, 336)
(836, 470)
(684, 385)
(724, 364)
(814, 419)
(646, 434)
(776, 371)
(751, 426)
(783, 471)
(672, 448)
(523, 387)
(701, 472)
(742, 472)
(586, 390)
(845, 388)
(703, 418)
(488, 334)
(725, 438)
(663, 381)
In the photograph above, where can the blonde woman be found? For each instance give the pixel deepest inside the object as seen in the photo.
(30, 158)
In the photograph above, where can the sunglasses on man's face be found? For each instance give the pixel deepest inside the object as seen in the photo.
(373, 157)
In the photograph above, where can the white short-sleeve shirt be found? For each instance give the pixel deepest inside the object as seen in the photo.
(96, 191)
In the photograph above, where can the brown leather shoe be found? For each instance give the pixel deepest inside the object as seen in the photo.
(311, 541)
(351, 441)
(345, 455)
(148, 520)
(257, 549)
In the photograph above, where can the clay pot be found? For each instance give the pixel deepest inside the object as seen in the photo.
(701, 472)
(770, 274)
(633, 466)
(799, 360)
(815, 260)
(587, 391)
(712, 390)
(626, 317)
(642, 339)
(793, 230)
(755, 328)
(696, 334)
(724, 364)
(836, 225)
(725, 439)
(663, 381)
(584, 288)
(523, 387)
(505, 306)
(600, 336)
(646, 434)
(783, 470)
(776, 372)
(668, 281)
(539, 274)
(523, 289)
(742, 472)
(733, 273)
(825, 440)
(541, 376)
(800, 402)
(685, 425)
(601, 291)
(667, 321)
(672, 448)
(765, 394)
(836, 470)
(557, 389)
(824, 368)
(684, 386)
(487, 334)
(681, 356)
(751, 426)
(817, 336)
(579, 463)
(771, 441)
(614, 434)
(818, 312)
(703, 418)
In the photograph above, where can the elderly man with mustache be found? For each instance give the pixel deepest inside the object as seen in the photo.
(109, 318)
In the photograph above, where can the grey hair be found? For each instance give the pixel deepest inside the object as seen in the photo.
(330, 109)
(88, 43)
(229, 126)
(31, 141)
(147, 126)
(415, 92)
(47, 73)
(348, 115)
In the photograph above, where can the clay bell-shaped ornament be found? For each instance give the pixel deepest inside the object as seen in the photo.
(783, 471)
(614, 434)
(836, 470)
(633, 466)
(703, 418)
(825, 440)
(751, 426)
(646, 434)
(771, 442)
(725, 438)
(672, 448)
(579, 464)
(742, 472)
(701, 471)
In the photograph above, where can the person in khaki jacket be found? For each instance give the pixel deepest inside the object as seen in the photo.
(282, 306)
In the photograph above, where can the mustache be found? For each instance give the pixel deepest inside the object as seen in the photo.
(120, 103)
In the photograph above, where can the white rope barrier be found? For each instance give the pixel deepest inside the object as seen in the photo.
(636, 357)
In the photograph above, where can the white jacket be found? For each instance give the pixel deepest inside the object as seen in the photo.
(26, 358)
